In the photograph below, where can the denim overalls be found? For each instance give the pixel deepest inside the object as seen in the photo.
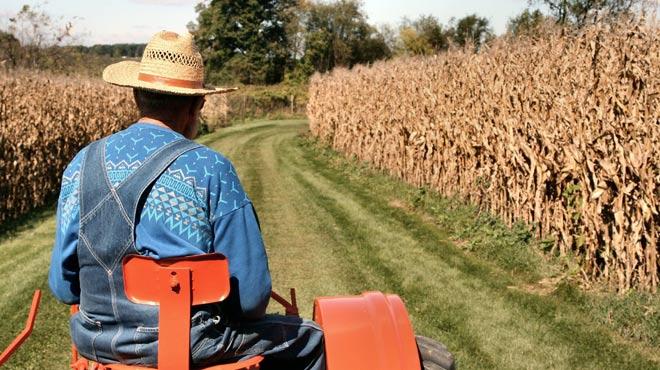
(109, 327)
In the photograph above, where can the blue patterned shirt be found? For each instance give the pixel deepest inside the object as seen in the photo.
(196, 206)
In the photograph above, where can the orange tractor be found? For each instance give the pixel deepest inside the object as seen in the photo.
(374, 322)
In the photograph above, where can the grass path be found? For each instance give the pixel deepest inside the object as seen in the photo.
(331, 228)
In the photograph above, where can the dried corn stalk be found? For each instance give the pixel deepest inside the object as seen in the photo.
(44, 121)
(562, 133)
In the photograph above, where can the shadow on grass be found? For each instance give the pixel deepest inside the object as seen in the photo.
(11, 228)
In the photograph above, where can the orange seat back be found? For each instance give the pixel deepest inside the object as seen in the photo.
(149, 281)
(175, 285)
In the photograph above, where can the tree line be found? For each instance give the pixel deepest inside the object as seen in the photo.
(264, 42)
(268, 41)
(271, 41)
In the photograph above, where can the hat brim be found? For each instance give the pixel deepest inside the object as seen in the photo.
(126, 74)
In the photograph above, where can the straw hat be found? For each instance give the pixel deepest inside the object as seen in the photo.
(170, 64)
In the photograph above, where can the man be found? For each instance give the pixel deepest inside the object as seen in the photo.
(151, 190)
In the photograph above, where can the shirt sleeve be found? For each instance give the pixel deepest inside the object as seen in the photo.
(237, 235)
(63, 274)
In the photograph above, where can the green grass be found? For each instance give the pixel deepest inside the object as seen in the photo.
(335, 226)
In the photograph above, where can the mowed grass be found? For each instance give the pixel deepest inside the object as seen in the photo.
(333, 227)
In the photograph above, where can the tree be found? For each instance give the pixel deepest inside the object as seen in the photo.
(337, 34)
(413, 43)
(243, 40)
(431, 30)
(577, 12)
(423, 36)
(472, 29)
(39, 37)
(525, 22)
(10, 49)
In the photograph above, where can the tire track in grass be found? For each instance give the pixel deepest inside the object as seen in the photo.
(574, 341)
(284, 217)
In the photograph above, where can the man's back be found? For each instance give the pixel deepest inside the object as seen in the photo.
(196, 205)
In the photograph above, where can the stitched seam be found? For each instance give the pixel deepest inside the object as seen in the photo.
(199, 347)
(91, 251)
(112, 189)
(115, 311)
(86, 317)
(138, 346)
(121, 206)
(91, 213)
(100, 331)
(240, 346)
(286, 323)
(216, 217)
(120, 255)
(147, 329)
(162, 168)
(80, 183)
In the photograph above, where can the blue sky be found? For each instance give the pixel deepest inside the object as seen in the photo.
(104, 21)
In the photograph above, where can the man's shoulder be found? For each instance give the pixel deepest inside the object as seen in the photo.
(215, 176)
(72, 170)
(208, 161)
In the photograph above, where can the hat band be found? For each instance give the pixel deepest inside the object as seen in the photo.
(174, 82)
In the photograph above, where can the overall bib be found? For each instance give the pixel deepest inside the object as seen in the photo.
(109, 328)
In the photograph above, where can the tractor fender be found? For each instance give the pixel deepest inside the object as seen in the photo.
(369, 331)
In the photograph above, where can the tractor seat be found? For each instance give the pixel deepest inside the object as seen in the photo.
(176, 286)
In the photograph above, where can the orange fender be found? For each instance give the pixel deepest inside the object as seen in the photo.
(371, 331)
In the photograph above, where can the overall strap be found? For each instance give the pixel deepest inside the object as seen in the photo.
(130, 190)
(96, 187)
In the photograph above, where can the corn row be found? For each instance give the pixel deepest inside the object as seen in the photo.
(44, 121)
(560, 132)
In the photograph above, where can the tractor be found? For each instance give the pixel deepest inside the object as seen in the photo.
(374, 322)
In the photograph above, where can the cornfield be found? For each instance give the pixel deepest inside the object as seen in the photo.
(45, 120)
(215, 111)
(561, 132)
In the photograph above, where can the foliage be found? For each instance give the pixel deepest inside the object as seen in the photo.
(560, 133)
(272, 101)
(578, 12)
(33, 39)
(243, 40)
(423, 36)
(38, 35)
(9, 49)
(338, 34)
(525, 23)
(426, 35)
(113, 50)
(472, 29)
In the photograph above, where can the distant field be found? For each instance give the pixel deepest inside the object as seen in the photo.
(333, 226)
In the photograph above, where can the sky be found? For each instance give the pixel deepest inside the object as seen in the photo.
(135, 21)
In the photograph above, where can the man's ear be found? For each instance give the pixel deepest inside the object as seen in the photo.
(194, 106)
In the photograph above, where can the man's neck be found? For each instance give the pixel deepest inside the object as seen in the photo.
(158, 122)
(176, 125)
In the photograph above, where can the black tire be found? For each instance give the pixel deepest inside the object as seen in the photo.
(434, 355)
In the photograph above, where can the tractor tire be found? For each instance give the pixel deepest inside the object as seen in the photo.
(434, 355)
